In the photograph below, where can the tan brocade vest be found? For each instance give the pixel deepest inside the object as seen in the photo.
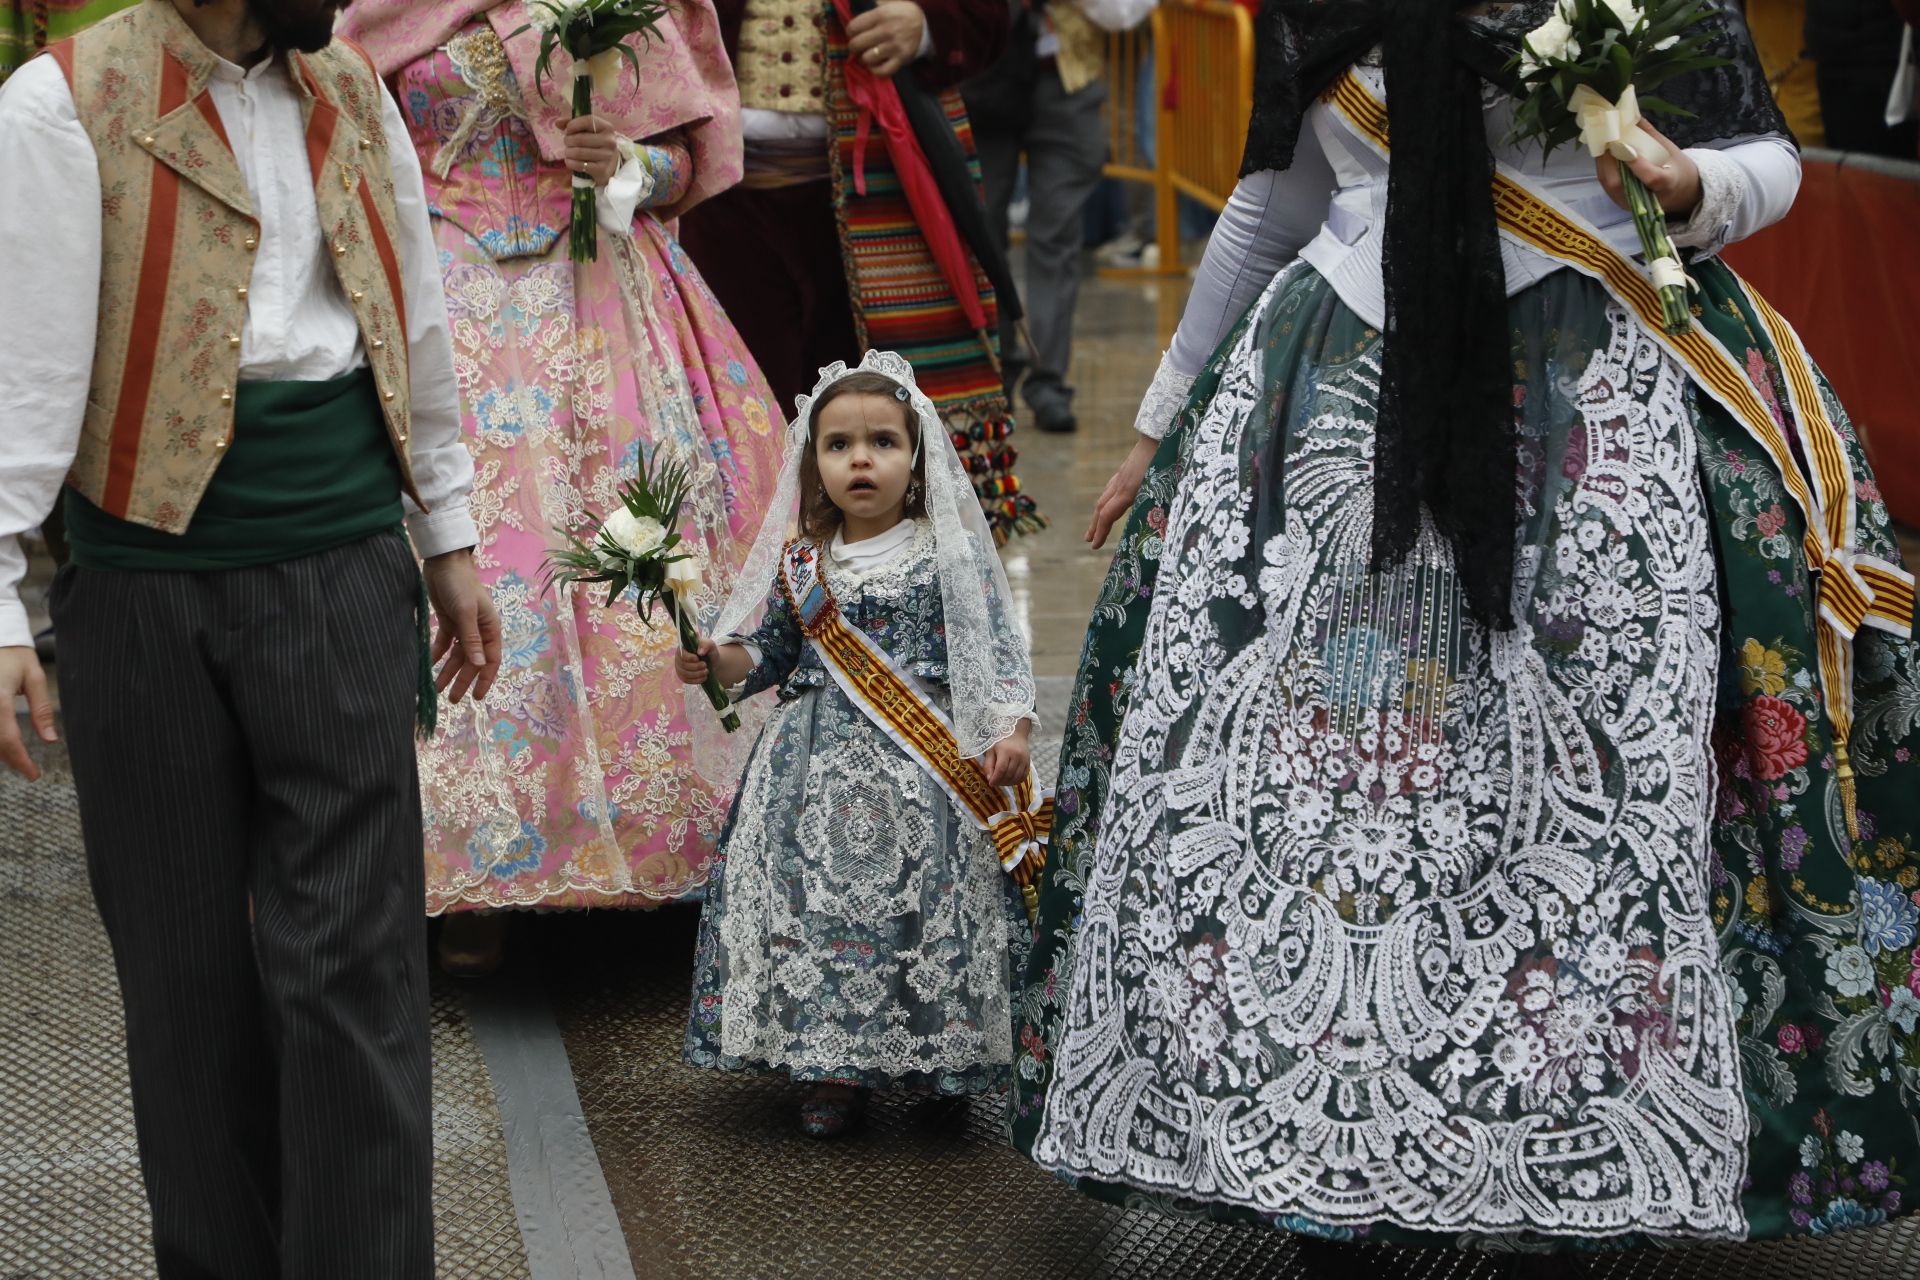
(179, 235)
(782, 62)
(1082, 56)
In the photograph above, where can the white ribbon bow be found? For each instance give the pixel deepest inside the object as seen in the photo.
(1613, 127)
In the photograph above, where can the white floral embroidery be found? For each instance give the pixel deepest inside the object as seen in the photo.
(1365, 933)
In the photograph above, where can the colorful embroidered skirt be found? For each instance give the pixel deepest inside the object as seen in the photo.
(1366, 922)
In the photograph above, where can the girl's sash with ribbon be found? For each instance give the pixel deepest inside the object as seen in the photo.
(1854, 589)
(1018, 819)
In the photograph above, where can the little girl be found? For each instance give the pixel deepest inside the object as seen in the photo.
(859, 931)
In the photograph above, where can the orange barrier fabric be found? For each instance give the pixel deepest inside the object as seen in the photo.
(1843, 268)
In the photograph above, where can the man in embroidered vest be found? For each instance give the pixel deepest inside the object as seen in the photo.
(817, 254)
(226, 335)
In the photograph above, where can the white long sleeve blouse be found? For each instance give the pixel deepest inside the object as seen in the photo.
(1329, 209)
(299, 325)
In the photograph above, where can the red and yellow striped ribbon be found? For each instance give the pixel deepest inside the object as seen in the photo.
(1018, 820)
(1854, 589)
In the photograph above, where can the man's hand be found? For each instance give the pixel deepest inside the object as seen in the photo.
(20, 672)
(1117, 498)
(592, 147)
(887, 37)
(466, 631)
(1675, 181)
(1008, 763)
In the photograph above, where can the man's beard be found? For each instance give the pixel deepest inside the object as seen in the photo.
(304, 25)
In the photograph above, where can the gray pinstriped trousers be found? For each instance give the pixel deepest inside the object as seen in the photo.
(242, 743)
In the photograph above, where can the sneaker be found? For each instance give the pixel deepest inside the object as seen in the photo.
(1122, 251)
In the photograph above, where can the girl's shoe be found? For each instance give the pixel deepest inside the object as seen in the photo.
(472, 943)
(830, 1110)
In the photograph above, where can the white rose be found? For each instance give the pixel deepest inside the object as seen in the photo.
(638, 536)
(554, 15)
(1626, 10)
(1551, 39)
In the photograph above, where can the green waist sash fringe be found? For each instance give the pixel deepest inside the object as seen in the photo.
(309, 470)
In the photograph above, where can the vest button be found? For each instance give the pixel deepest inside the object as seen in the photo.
(339, 250)
(241, 293)
(220, 443)
(233, 341)
(357, 295)
(403, 437)
(366, 144)
(387, 396)
(226, 397)
(148, 140)
(251, 242)
(378, 344)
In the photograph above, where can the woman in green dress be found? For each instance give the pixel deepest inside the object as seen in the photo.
(1488, 812)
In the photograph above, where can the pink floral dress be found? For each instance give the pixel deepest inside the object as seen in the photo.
(573, 784)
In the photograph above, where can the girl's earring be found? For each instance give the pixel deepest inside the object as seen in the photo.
(913, 491)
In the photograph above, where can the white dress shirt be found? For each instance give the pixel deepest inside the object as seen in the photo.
(299, 325)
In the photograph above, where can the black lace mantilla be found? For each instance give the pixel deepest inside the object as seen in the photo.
(1445, 435)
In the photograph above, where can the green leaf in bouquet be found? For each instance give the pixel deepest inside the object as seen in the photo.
(1665, 108)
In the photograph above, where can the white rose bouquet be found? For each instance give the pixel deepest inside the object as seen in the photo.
(1585, 71)
(639, 546)
(594, 34)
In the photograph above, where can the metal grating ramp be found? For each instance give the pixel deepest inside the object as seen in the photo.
(71, 1204)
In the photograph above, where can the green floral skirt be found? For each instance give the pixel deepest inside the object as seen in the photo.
(1365, 921)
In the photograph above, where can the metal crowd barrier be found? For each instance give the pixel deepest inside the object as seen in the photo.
(1841, 267)
(1202, 57)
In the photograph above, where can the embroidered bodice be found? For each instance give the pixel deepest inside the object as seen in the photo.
(484, 170)
(896, 602)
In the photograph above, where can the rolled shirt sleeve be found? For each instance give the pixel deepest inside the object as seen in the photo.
(442, 467)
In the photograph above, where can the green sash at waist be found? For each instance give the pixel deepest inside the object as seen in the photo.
(310, 469)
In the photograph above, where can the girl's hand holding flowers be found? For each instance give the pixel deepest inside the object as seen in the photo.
(692, 668)
(592, 148)
(1674, 182)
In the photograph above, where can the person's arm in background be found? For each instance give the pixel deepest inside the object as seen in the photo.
(967, 36)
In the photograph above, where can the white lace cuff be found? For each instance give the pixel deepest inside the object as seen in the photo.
(629, 188)
(1164, 399)
(1723, 189)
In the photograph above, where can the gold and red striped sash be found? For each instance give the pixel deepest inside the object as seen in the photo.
(1018, 819)
(1854, 589)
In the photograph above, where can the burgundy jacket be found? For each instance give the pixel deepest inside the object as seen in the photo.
(968, 36)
